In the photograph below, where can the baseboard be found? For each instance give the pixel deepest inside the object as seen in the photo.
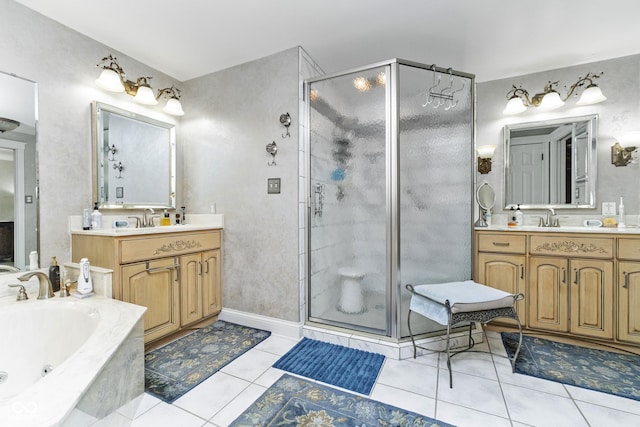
(276, 326)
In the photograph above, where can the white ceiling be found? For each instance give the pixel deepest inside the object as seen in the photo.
(489, 38)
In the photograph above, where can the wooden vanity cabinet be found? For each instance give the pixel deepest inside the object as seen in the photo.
(570, 285)
(200, 291)
(628, 288)
(177, 276)
(154, 285)
(501, 264)
(575, 284)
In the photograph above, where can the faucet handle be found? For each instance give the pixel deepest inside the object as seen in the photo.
(22, 292)
(137, 220)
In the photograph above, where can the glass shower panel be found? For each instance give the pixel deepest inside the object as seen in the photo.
(435, 148)
(347, 144)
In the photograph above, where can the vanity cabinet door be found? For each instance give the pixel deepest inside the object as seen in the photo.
(504, 272)
(154, 285)
(211, 282)
(548, 294)
(629, 301)
(190, 288)
(592, 298)
(200, 289)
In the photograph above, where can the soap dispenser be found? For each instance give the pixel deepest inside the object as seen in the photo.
(166, 219)
(54, 274)
(519, 216)
(96, 218)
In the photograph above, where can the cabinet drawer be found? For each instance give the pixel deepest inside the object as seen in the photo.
(506, 243)
(583, 247)
(629, 249)
(151, 247)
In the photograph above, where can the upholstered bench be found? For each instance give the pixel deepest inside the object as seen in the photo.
(455, 302)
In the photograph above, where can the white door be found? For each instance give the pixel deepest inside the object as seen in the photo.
(528, 173)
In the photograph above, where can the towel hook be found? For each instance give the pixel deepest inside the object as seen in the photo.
(273, 150)
(285, 119)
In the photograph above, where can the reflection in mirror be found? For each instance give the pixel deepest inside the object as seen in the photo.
(551, 163)
(134, 160)
(486, 198)
(18, 174)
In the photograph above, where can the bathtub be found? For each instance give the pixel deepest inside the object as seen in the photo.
(64, 354)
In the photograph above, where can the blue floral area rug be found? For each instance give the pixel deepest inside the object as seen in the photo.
(598, 370)
(174, 369)
(293, 401)
(349, 368)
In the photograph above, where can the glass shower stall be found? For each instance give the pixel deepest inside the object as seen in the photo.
(390, 172)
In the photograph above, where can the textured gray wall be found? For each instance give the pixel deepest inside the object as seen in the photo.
(232, 115)
(618, 115)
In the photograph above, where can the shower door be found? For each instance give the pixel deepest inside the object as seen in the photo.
(348, 126)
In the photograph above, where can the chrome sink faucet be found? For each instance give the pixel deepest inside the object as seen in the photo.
(147, 220)
(552, 220)
(46, 290)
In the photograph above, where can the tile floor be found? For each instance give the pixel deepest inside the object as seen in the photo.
(485, 393)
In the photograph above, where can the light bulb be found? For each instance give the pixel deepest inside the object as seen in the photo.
(145, 96)
(591, 95)
(173, 107)
(551, 101)
(110, 80)
(514, 106)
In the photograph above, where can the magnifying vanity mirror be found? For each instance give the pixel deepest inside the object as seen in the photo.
(134, 160)
(551, 163)
(18, 172)
(486, 198)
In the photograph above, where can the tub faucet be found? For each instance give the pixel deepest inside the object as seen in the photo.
(46, 290)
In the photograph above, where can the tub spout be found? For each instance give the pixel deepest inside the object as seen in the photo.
(46, 290)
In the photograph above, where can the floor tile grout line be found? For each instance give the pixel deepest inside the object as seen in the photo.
(576, 404)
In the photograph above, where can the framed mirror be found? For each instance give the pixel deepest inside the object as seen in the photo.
(134, 160)
(18, 172)
(551, 163)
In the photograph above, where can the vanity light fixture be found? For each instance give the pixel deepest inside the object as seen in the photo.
(622, 152)
(485, 153)
(114, 79)
(549, 98)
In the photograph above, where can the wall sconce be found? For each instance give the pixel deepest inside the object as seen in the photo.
(113, 79)
(549, 98)
(485, 153)
(622, 152)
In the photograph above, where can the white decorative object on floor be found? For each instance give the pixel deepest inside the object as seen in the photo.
(352, 296)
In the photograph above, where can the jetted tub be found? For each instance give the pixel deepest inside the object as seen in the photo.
(64, 353)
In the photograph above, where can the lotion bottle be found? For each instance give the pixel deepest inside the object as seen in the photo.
(85, 286)
(519, 217)
(621, 223)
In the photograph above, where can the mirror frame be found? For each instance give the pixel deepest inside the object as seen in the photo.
(592, 127)
(98, 143)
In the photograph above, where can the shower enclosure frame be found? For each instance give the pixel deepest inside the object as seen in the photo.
(392, 180)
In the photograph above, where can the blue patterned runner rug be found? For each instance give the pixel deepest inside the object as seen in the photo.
(293, 401)
(349, 368)
(174, 369)
(598, 370)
